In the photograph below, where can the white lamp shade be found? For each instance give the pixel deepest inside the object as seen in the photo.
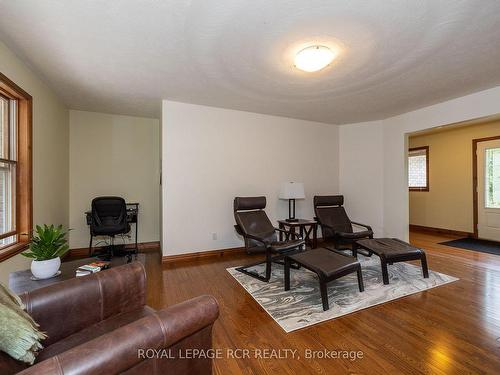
(292, 190)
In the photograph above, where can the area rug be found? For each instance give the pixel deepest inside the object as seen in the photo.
(475, 244)
(301, 306)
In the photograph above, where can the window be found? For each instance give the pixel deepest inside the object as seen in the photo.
(418, 169)
(15, 168)
(8, 155)
(492, 174)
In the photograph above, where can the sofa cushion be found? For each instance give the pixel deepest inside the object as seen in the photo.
(93, 332)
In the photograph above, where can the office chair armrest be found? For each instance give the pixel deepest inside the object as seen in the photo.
(187, 325)
(288, 233)
(362, 225)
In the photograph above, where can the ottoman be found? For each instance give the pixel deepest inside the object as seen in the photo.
(392, 250)
(328, 265)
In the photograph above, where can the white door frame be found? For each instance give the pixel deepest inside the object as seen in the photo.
(474, 177)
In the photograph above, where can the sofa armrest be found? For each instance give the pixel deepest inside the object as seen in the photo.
(69, 306)
(124, 348)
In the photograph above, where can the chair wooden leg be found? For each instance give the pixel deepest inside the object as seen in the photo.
(425, 270)
(360, 280)
(355, 250)
(385, 272)
(269, 262)
(324, 294)
(288, 262)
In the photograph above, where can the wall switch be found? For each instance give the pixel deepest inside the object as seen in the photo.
(214, 236)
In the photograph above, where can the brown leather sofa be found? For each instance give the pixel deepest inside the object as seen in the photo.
(99, 324)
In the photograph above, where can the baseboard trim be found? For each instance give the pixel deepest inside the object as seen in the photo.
(421, 228)
(84, 251)
(201, 254)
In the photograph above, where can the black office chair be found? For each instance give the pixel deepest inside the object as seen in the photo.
(259, 233)
(109, 218)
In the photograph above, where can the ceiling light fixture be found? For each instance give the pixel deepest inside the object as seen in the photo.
(314, 58)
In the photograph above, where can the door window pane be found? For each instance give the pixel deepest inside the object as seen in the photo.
(492, 178)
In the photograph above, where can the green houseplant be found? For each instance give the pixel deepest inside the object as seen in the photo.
(47, 245)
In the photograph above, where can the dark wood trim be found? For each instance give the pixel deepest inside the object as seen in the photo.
(426, 148)
(422, 228)
(12, 250)
(474, 178)
(24, 162)
(7, 234)
(4, 96)
(83, 252)
(17, 91)
(201, 254)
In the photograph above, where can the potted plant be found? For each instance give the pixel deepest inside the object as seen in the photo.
(48, 244)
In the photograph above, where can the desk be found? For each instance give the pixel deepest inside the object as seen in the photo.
(132, 218)
(306, 227)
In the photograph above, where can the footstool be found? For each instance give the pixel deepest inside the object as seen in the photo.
(328, 265)
(392, 250)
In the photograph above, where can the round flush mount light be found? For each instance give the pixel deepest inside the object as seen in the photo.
(314, 58)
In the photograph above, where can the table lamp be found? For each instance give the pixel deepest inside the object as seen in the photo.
(292, 191)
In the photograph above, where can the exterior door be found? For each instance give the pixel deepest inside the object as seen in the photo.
(488, 190)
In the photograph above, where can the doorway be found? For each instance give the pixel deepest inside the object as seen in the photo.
(486, 188)
(443, 177)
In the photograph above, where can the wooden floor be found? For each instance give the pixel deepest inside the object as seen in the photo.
(453, 329)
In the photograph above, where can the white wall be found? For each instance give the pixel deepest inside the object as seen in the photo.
(50, 152)
(210, 155)
(114, 155)
(361, 170)
(394, 145)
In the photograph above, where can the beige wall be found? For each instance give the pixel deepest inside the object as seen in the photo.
(114, 155)
(50, 151)
(448, 203)
(211, 155)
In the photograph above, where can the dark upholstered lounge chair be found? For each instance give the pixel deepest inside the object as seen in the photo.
(259, 234)
(336, 225)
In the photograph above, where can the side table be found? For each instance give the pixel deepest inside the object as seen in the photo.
(307, 229)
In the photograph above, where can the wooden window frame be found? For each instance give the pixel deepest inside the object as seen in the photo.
(24, 165)
(426, 148)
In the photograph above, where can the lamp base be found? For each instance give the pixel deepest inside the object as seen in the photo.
(292, 220)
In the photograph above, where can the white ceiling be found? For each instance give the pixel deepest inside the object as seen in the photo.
(124, 56)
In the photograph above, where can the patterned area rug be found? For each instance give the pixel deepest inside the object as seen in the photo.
(301, 306)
